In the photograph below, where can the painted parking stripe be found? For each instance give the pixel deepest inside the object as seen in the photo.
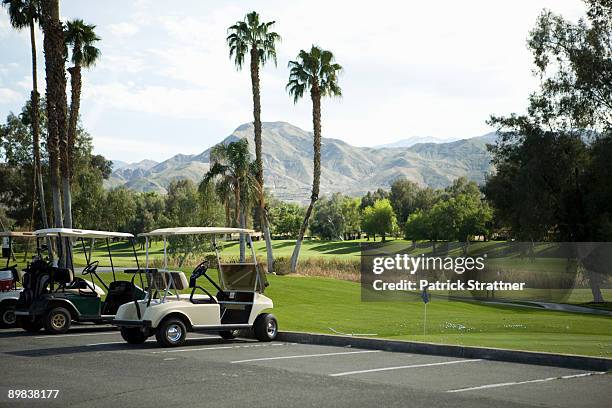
(540, 380)
(306, 356)
(374, 370)
(217, 348)
(112, 342)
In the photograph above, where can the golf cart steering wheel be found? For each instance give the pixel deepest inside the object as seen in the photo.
(91, 268)
(200, 269)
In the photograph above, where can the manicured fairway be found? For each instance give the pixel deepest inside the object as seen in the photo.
(326, 306)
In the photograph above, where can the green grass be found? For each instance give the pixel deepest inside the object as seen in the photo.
(319, 305)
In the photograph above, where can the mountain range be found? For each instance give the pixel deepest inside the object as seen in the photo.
(287, 159)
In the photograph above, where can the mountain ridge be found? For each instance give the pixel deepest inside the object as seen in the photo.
(287, 160)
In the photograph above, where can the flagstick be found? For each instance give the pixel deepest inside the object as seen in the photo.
(425, 321)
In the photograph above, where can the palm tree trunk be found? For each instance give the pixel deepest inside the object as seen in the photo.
(36, 137)
(263, 220)
(67, 158)
(56, 100)
(316, 175)
(242, 239)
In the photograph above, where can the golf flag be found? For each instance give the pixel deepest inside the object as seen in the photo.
(425, 296)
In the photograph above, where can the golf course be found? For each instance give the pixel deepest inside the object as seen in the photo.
(327, 305)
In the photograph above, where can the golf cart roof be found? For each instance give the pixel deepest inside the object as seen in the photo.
(80, 233)
(13, 234)
(195, 230)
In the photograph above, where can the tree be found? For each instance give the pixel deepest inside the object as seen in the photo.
(285, 218)
(317, 72)
(255, 37)
(26, 13)
(546, 186)
(231, 164)
(370, 198)
(379, 219)
(403, 198)
(81, 37)
(53, 45)
(328, 221)
(417, 227)
(351, 215)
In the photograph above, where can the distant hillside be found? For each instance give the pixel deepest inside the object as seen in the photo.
(287, 156)
(411, 141)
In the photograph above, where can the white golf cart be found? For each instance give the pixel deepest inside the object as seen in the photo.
(238, 304)
(9, 277)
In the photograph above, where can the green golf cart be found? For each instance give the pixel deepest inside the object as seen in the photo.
(53, 297)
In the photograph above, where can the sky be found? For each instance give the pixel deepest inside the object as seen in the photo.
(165, 84)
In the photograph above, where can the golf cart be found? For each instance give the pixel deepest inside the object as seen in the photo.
(9, 277)
(239, 302)
(53, 297)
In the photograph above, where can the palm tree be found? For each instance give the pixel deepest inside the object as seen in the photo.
(55, 72)
(56, 110)
(231, 165)
(317, 72)
(26, 13)
(80, 37)
(255, 37)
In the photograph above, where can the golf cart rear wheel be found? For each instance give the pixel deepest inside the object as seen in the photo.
(29, 325)
(265, 327)
(171, 332)
(133, 335)
(57, 321)
(228, 334)
(7, 316)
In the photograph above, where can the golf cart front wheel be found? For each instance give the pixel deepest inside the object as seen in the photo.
(57, 321)
(28, 324)
(265, 327)
(133, 335)
(7, 316)
(171, 333)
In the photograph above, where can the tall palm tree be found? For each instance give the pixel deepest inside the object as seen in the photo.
(255, 37)
(81, 37)
(26, 13)
(317, 72)
(55, 73)
(232, 166)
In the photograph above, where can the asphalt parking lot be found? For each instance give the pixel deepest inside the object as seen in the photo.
(95, 368)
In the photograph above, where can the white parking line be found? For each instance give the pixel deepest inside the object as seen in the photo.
(216, 348)
(305, 356)
(113, 342)
(374, 370)
(563, 377)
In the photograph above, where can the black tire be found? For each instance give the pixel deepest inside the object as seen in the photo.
(133, 335)
(28, 324)
(57, 321)
(228, 334)
(265, 327)
(171, 332)
(7, 315)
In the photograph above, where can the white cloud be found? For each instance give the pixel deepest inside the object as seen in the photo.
(123, 29)
(8, 95)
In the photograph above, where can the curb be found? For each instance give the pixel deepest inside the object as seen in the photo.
(511, 356)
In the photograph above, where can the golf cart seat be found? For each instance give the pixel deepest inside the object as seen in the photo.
(80, 286)
(168, 279)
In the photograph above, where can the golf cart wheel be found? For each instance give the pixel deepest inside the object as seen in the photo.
(57, 321)
(228, 334)
(171, 332)
(133, 335)
(265, 327)
(29, 325)
(7, 316)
